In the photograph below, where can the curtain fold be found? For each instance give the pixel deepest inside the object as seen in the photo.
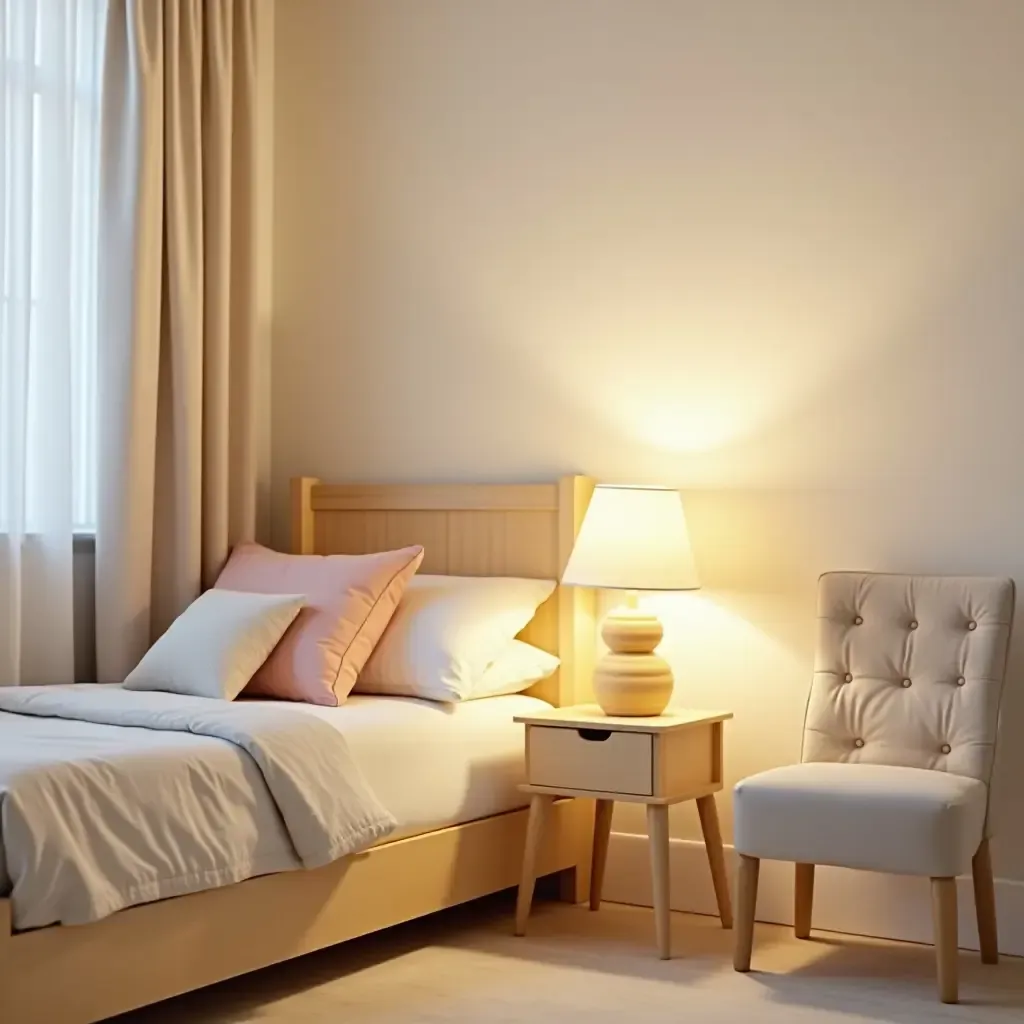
(50, 60)
(178, 290)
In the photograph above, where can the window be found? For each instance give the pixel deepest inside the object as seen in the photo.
(50, 75)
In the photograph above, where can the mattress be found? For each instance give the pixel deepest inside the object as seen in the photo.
(433, 765)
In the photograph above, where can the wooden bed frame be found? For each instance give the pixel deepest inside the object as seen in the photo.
(82, 974)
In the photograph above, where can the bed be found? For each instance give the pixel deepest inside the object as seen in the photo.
(468, 757)
(459, 835)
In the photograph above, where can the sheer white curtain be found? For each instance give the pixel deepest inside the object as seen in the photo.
(50, 74)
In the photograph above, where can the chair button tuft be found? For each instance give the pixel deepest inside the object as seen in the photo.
(945, 748)
(848, 677)
(972, 624)
(906, 683)
(960, 680)
(858, 743)
(858, 621)
(913, 623)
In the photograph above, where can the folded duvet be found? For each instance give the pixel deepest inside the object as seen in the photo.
(111, 797)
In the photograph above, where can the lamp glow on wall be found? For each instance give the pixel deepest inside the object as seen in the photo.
(633, 538)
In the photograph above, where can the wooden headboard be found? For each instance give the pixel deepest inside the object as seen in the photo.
(470, 530)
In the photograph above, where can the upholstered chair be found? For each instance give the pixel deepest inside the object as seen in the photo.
(899, 742)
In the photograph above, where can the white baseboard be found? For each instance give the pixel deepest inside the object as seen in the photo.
(857, 902)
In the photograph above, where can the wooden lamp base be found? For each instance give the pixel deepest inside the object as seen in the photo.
(632, 680)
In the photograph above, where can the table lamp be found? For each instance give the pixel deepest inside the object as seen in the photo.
(632, 538)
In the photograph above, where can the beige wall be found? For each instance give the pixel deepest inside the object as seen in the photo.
(770, 251)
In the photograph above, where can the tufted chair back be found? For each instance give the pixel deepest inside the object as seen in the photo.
(909, 671)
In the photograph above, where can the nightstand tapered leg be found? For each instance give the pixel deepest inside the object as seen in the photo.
(539, 805)
(602, 832)
(708, 811)
(657, 834)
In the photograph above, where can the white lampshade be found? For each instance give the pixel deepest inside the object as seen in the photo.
(633, 538)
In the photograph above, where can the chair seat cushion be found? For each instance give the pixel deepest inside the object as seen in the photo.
(910, 821)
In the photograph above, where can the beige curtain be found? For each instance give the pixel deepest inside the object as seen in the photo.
(177, 371)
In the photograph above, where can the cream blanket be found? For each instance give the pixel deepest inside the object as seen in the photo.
(111, 797)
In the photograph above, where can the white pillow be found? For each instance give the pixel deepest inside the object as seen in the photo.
(446, 632)
(214, 647)
(516, 669)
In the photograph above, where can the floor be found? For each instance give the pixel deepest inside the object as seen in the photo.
(464, 966)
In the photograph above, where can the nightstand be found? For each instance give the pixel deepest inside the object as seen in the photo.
(582, 752)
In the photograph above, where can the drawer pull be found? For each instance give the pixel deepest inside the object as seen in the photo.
(594, 735)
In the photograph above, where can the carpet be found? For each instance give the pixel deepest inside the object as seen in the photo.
(465, 967)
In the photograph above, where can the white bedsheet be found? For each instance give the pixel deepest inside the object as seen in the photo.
(428, 765)
(433, 765)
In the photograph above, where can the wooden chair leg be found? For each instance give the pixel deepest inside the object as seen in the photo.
(708, 811)
(602, 831)
(985, 904)
(804, 901)
(539, 804)
(946, 943)
(746, 905)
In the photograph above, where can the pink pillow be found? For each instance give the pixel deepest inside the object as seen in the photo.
(349, 601)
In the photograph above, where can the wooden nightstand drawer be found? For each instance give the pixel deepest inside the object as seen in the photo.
(594, 759)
